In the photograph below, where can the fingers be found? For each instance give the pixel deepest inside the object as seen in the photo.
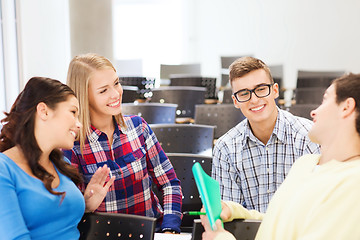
(218, 224)
(100, 175)
(205, 223)
(109, 183)
(225, 212)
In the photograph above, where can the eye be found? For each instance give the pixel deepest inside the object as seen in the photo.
(117, 82)
(103, 91)
(243, 93)
(261, 88)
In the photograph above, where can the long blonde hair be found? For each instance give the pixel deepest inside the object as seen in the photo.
(79, 74)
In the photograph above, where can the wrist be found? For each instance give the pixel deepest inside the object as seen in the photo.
(169, 230)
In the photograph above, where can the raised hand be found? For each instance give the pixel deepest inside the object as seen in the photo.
(96, 190)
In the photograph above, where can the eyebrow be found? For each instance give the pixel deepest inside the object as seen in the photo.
(260, 84)
(117, 79)
(75, 107)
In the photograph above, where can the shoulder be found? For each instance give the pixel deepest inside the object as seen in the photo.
(132, 121)
(4, 161)
(237, 132)
(7, 166)
(136, 125)
(234, 136)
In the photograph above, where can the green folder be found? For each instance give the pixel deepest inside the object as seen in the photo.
(209, 191)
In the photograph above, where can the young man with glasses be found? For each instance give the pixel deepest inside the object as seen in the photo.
(252, 159)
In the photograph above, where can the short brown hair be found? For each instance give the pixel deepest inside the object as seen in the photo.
(244, 65)
(348, 86)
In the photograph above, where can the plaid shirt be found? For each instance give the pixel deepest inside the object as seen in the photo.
(136, 159)
(248, 171)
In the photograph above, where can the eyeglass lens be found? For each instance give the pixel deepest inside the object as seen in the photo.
(260, 92)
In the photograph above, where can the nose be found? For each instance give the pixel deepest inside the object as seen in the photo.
(78, 123)
(312, 113)
(115, 93)
(253, 97)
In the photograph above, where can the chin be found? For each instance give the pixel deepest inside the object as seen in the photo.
(313, 138)
(115, 112)
(68, 146)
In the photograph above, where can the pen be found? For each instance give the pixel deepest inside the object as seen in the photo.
(194, 213)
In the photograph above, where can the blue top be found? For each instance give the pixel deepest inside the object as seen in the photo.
(29, 211)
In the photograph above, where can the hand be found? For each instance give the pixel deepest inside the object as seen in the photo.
(225, 212)
(96, 190)
(209, 234)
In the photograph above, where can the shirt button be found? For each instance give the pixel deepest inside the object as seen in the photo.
(267, 149)
(268, 170)
(268, 191)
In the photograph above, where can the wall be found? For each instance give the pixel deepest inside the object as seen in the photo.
(45, 39)
(301, 34)
(91, 27)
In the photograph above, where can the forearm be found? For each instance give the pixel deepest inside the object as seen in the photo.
(172, 205)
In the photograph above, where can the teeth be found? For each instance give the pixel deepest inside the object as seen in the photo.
(73, 133)
(258, 108)
(114, 104)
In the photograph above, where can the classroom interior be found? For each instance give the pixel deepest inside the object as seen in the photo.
(299, 40)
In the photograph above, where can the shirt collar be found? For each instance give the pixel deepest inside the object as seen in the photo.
(277, 134)
(96, 133)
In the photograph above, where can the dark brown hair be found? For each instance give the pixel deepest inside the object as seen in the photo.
(348, 86)
(18, 128)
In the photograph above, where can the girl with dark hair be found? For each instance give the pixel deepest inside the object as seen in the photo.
(39, 198)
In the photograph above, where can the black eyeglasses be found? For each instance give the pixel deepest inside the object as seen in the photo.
(261, 91)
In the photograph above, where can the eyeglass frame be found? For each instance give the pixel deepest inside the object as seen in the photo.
(253, 91)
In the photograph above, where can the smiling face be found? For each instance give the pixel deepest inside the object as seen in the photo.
(256, 110)
(105, 94)
(64, 122)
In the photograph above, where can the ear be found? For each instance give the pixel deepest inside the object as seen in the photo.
(348, 107)
(236, 103)
(275, 88)
(42, 111)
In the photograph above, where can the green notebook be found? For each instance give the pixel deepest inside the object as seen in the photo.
(209, 191)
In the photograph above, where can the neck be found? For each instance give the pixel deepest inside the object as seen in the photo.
(103, 124)
(263, 130)
(340, 149)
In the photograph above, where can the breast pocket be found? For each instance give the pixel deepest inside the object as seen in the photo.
(135, 164)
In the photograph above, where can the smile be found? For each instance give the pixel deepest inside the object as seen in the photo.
(114, 104)
(73, 133)
(257, 108)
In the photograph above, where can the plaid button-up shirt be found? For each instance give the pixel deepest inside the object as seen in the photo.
(137, 160)
(249, 172)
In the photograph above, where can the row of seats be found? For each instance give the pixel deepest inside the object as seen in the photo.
(223, 116)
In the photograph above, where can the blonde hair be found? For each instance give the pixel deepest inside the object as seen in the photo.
(79, 74)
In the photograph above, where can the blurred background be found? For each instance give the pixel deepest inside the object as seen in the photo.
(39, 37)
